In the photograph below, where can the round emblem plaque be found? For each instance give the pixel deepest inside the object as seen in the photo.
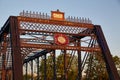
(61, 39)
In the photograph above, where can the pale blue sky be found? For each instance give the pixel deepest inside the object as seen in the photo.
(102, 12)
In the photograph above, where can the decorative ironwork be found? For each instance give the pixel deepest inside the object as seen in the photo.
(61, 39)
(40, 15)
(28, 46)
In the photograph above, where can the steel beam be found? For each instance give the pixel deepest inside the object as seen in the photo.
(54, 22)
(15, 48)
(112, 70)
(63, 47)
(79, 61)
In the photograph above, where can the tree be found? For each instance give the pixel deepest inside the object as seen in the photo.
(117, 63)
(71, 67)
(49, 66)
(28, 77)
(116, 60)
(96, 69)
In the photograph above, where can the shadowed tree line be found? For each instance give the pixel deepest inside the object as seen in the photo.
(94, 71)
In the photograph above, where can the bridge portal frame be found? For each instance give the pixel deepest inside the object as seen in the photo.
(12, 27)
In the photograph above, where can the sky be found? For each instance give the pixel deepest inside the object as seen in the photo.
(102, 12)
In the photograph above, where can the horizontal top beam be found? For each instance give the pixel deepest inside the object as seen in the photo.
(55, 22)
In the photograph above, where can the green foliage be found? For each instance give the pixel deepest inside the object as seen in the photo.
(116, 61)
(96, 69)
(49, 65)
(28, 77)
(72, 72)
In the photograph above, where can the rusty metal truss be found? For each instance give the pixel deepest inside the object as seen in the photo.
(27, 42)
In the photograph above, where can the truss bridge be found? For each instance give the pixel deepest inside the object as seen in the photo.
(38, 46)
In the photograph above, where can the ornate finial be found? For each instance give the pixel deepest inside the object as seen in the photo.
(57, 13)
(58, 10)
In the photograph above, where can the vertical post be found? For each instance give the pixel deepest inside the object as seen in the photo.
(15, 49)
(45, 68)
(4, 58)
(112, 70)
(3, 67)
(79, 61)
(26, 71)
(54, 66)
(65, 66)
(38, 75)
(32, 70)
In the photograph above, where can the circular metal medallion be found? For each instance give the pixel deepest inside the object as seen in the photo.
(61, 39)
